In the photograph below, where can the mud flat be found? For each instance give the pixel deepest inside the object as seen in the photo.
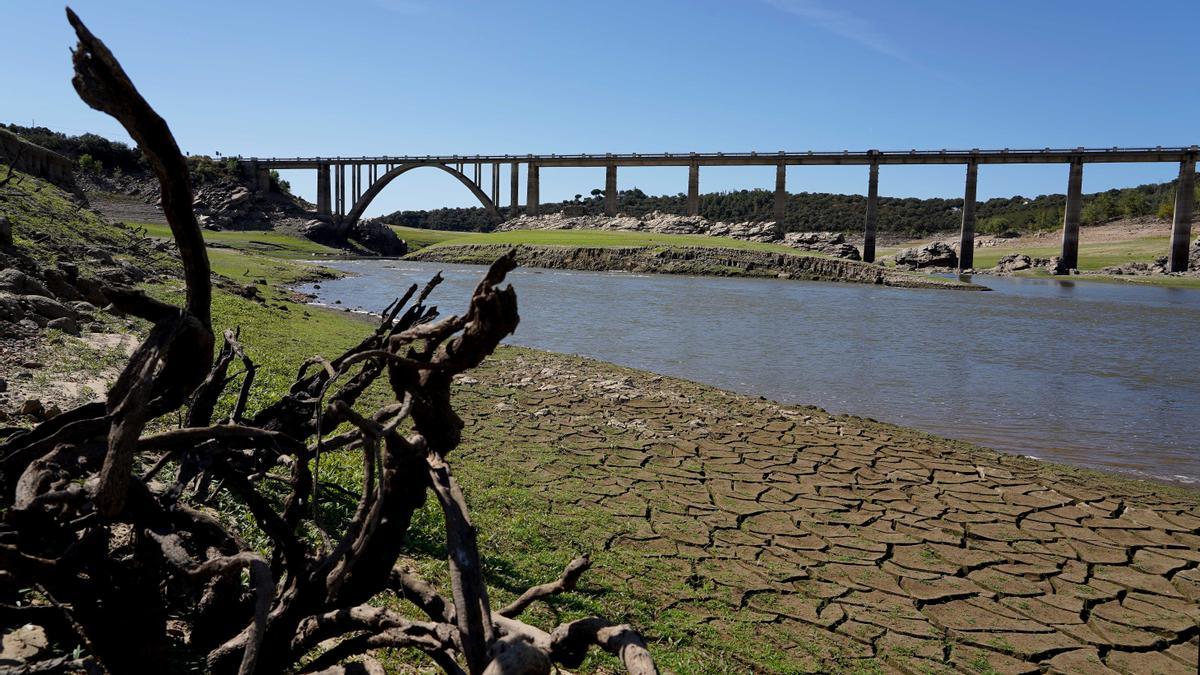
(786, 539)
(690, 260)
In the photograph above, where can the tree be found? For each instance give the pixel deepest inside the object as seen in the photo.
(89, 164)
(120, 554)
(1133, 203)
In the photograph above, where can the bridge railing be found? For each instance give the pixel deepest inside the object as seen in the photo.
(1081, 152)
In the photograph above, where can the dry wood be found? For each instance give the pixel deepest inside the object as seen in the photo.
(85, 522)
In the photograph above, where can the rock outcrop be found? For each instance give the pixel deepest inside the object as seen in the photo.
(36, 160)
(379, 238)
(830, 243)
(935, 255)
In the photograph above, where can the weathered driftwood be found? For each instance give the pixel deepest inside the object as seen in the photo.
(118, 551)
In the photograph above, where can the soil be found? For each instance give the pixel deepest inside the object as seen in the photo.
(846, 543)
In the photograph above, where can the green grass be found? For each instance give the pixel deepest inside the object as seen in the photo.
(611, 239)
(418, 238)
(43, 218)
(1092, 256)
(267, 242)
(247, 267)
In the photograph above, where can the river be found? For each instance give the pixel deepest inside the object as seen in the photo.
(1093, 374)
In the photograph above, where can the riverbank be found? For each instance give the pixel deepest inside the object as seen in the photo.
(741, 535)
(695, 260)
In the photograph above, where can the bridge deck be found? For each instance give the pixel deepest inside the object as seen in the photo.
(1003, 156)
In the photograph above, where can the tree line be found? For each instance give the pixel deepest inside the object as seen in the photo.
(812, 211)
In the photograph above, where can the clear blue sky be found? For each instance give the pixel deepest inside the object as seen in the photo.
(368, 77)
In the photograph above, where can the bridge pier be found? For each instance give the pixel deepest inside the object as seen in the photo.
(1181, 227)
(1071, 216)
(323, 190)
(532, 199)
(966, 240)
(496, 184)
(339, 194)
(262, 180)
(780, 192)
(868, 251)
(514, 190)
(693, 196)
(610, 190)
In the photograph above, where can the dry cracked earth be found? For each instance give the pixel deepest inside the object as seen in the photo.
(841, 544)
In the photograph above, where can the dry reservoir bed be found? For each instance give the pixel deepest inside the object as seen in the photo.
(810, 542)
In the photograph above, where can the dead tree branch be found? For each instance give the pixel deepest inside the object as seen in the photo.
(83, 519)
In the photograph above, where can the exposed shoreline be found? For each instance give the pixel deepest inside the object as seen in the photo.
(868, 543)
(697, 260)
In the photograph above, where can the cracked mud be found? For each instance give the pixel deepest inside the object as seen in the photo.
(841, 542)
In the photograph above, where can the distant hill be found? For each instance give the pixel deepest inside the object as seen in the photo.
(811, 211)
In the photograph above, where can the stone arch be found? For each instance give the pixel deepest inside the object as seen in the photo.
(364, 201)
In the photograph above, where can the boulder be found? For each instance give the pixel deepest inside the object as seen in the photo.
(71, 270)
(830, 243)
(936, 254)
(379, 238)
(83, 307)
(6, 235)
(59, 284)
(49, 308)
(1014, 262)
(33, 408)
(13, 280)
(10, 308)
(236, 199)
(845, 251)
(322, 232)
(66, 324)
(91, 290)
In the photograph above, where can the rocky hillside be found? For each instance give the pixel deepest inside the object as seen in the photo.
(58, 262)
(118, 183)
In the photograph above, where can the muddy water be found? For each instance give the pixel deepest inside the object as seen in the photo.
(1098, 375)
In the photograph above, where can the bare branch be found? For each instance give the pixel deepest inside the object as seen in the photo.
(569, 643)
(563, 584)
(472, 613)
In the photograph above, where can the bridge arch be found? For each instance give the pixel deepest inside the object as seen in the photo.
(365, 200)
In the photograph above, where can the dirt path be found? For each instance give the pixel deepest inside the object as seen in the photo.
(815, 543)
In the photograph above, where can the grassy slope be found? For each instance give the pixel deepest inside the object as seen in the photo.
(419, 238)
(608, 239)
(275, 244)
(1092, 256)
(42, 215)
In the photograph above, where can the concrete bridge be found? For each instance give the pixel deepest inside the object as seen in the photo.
(367, 176)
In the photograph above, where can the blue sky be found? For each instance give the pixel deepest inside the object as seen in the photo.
(368, 77)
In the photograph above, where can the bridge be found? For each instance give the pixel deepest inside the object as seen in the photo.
(367, 176)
